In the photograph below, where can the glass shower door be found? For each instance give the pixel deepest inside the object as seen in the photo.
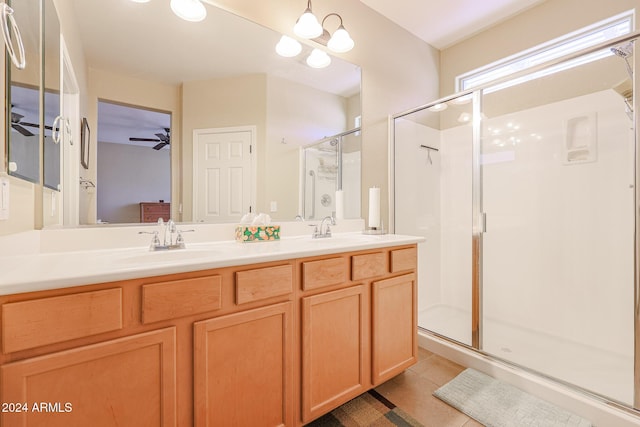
(557, 169)
(432, 188)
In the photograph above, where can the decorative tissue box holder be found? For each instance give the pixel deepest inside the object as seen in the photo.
(257, 233)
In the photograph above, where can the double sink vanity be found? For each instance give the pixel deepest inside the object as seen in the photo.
(218, 334)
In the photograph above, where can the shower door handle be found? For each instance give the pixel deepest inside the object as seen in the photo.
(482, 223)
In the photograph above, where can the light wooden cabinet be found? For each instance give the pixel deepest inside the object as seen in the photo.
(128, 381)
(394, 326)
(243, 372)
(335, 349)
(272, 344)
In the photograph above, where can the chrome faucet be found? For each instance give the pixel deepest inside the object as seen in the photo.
(168, 242)
(318, 232)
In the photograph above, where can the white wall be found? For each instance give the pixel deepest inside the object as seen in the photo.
(558, 253)
(142, 175)
(417, 207)
(433, 199)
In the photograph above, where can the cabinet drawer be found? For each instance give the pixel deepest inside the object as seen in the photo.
(179, 298)
(156, 209)
(38, 322)
(403, 259)
(263, 283)
(368, 265)
(324, 272)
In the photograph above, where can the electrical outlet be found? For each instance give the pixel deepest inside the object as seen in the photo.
(4, 199)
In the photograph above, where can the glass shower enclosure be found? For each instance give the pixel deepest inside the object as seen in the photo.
(526, 196)
(330, 167)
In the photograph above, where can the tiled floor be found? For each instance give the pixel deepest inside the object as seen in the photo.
(412, 392)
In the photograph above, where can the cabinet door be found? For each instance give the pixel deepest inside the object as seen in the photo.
(124, 382)
(335, 349)
(243, 370)
(394, 334)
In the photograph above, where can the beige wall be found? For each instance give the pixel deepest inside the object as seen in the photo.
(294, 121)
(537, 25)
(217, 103)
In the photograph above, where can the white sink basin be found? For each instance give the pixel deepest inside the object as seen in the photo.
(346, 239)
(167, 256)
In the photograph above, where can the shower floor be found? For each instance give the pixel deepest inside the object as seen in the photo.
(606, 373)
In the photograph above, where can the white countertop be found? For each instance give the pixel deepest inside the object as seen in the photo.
(29, 272)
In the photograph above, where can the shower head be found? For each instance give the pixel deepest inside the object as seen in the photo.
(623, 51)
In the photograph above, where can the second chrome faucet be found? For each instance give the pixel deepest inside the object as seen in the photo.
(168, 241)
(323, 231)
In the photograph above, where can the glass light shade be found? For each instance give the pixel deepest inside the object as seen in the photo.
(189, 10)
(340, 41)
(288, 47)
(438, 107)
(461, 100)
(307, 26)
(464, 118)
(318, 59)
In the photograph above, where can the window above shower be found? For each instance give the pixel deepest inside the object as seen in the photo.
(584, 38)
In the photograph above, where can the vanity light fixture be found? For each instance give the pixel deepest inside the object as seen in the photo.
(318, 59)
(189, 10)
(308, 27)
(288, 47)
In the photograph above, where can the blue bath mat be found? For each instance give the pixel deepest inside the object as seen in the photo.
(496, 404)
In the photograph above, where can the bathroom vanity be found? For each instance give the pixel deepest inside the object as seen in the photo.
(271, 334)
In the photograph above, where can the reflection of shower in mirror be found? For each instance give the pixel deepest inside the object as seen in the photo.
(330, 165)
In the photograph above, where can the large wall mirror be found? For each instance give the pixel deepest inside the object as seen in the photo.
(157, 88)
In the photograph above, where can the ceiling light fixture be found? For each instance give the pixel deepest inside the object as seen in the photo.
(318, 59)
(189, 10)
(288, 47)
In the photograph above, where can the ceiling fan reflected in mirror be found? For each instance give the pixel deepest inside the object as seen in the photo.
(21, 127)
(162, 140)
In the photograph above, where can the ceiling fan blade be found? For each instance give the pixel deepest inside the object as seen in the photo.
(144, 139)
(163, 138)
(22, 130)
(159, 146)
(33, 125)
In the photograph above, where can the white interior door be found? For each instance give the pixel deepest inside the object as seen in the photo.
(223, 173)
